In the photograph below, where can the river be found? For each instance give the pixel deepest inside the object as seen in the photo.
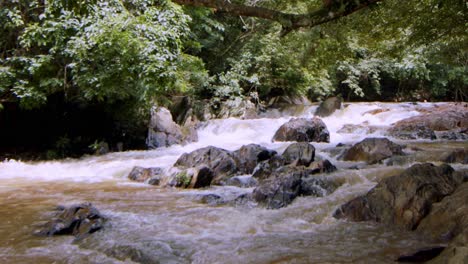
(168, 225)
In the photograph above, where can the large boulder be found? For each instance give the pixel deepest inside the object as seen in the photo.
(405, 199)
(77, 220)
(221, 162)
(163, 131)
(372, 150)
(446, 122)
(281, 188)
(249, 156)
(328, 107)
(300, 153)
(303, 130)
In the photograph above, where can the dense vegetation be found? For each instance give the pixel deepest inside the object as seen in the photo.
(62, 62)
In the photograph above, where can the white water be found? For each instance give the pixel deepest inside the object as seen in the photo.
(172, 226)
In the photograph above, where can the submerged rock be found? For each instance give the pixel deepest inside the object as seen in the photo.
(303, 130)
(372, 150)
(77, 220)
(403, 200)
(328, 107)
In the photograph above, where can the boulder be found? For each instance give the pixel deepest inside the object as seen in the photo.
(300, 153)
(196, 177)
(163, 131)
(220, 161)
(405, 199)
(303, 130)
(447, 122)
(141, 174)
(77, 220)
(280, 189)
(249, 156)
(372, 150)
(321, 166)
(328, 107)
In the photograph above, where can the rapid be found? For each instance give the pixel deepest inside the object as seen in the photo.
(150, 224)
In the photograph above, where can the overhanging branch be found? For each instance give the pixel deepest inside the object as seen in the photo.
(287, 20)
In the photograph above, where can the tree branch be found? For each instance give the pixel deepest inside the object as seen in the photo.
(287, 20)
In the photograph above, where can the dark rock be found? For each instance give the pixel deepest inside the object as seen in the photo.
(102, 148)
(268, 167)
(277, 192)
(451, 118)
(318, 186)
(212, 199)
(322, 166)
(237, 107)
(196, 177)
(422, 255)
(141, 174)
(245, 199)
(222, 162)
(328, 107)
(242, 181)
(303, 130)
(372, 150)
(301, 153)
(77, 220)
(456, 156)
(454, 134)
(456, 252)
(449, 218)
(249, 156)
(405, 199)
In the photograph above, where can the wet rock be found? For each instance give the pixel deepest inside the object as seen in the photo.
(163, 131)
(403, 200)
(322, 166)
(245, 200)
(221, 162)
(454, 134)
(372, 150)
(131, 252)
(456, 156)
(249, 156)
(300, 153)
(455, 253)
(212, 199)
(452, 119)
(141, 174)
(197, 177)
(448, 218)
(268, 167)
(422, 255)
(279, 191)
(281, 188)
(328, 107)
(238, 107)
(77, 220)
(242, 181)
(303, 130)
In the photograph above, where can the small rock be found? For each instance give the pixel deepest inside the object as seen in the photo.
(141, 174)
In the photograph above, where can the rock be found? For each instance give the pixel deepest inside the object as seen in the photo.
(377, 111)
(405, 199)
(303, 130)
(242, 181)
(456, 156)
(77, 220)
(181, 110)
(221, 162)
(268, 167)
(212, 199)
(452, 120)
(448, 218)
(328, 107)
(245, 200)
(322, 166)
(454, 134)
(237, 107)
(196, 177)
(249, 156)
(163, 131)
(421, 255)
(141, 174)
(280, 189)
(301, 153)
(102, 148)
(455, 253)
(372, 150)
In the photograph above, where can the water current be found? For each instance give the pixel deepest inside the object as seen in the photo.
(151, 224)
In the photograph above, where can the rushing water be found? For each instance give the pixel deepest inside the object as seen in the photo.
(164, 225)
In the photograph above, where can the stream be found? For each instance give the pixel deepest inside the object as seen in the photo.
(152, 224)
